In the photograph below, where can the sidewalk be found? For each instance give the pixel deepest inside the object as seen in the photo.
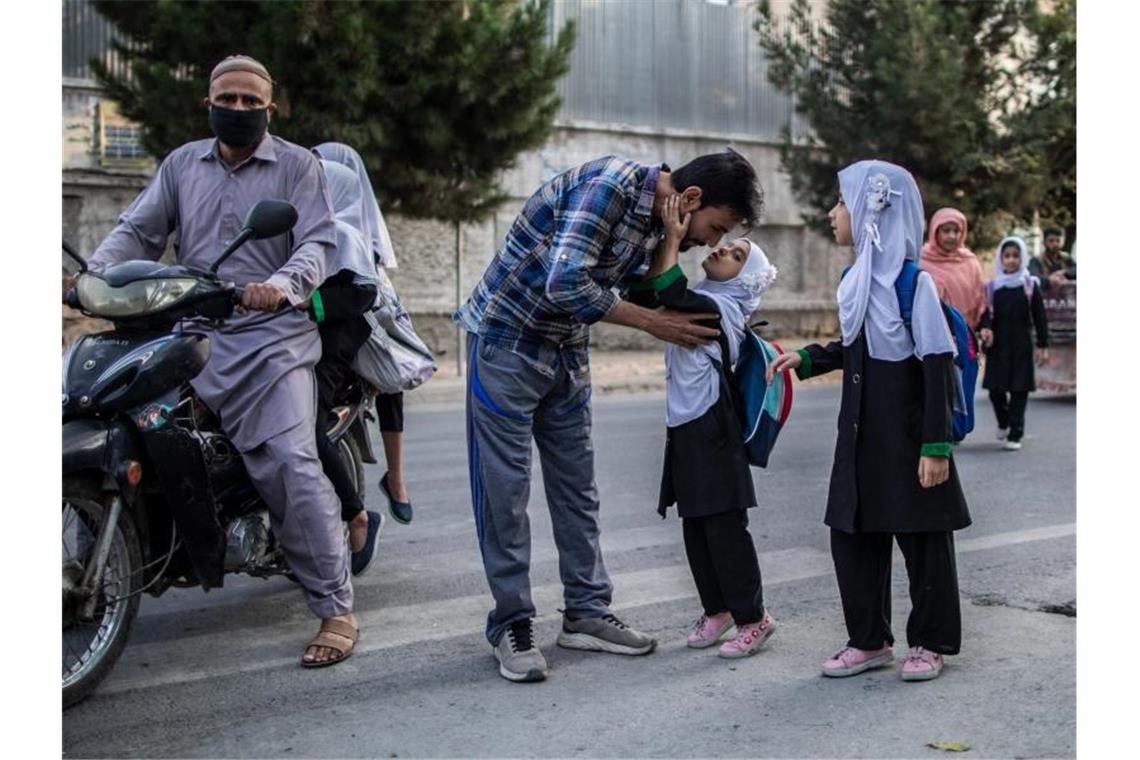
(614, 372)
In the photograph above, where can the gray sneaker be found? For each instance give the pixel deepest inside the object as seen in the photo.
(604, 634)
(519, 659)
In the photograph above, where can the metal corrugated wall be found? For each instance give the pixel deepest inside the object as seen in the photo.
(689, 65)
(86, 35)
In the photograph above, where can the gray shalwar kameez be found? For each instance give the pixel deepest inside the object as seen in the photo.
(259, 378)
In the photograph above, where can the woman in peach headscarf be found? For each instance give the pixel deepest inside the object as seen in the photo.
(955, 269)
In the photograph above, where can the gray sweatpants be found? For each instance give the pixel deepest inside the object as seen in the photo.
(304, 513)
(509, 403)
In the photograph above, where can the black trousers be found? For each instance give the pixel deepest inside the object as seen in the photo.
(1009, 408)
(329, 374)
(863, 569)
(723, 561)
(390, 412)
(343, 331)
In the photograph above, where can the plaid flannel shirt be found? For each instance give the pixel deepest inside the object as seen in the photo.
(583, 233)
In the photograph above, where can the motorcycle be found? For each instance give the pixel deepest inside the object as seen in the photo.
(155, 495)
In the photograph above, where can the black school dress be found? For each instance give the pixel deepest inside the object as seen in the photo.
(889, 410)
(1009, 361)
(706, 470)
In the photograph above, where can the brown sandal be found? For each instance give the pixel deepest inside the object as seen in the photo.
(333, 634)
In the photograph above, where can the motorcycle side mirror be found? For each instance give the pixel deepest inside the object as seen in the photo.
(78, 259)
(270, 218)
(265, 220)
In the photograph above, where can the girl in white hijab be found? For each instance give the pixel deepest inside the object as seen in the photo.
(372, 224)
(1015, 308)
(706, 472)
(352, 252)
(389, 406)
(893, 477)
(338, 307)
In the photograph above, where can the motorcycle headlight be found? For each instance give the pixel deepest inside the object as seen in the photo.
(134, 299)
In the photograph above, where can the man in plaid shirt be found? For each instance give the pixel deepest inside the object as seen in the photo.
(587, 231)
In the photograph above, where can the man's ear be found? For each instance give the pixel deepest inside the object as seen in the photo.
(206, 102)
(270, 110)
(690, 199)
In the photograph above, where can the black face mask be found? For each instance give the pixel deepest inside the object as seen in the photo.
(239, 129)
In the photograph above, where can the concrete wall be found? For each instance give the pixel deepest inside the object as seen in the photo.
(432, 279)
(802, 301)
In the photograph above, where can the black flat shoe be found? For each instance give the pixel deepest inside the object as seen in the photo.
(362, 559)
(401, 510)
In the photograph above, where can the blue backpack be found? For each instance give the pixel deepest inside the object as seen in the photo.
(965, 363)
(763, 407)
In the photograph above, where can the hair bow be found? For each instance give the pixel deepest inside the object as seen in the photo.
(879, 193)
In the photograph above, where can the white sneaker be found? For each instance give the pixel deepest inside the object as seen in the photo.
(1012, 446)
(1002, 433)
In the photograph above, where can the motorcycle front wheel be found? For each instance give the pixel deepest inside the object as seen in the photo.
(92, 643)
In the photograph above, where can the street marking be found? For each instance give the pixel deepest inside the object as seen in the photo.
(996, 540)
(166, 662)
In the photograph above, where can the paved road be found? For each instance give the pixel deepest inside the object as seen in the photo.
(210, 675)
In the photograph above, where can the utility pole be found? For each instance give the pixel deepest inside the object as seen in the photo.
(458, 296)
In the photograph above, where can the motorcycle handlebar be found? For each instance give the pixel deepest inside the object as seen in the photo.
(239, 291)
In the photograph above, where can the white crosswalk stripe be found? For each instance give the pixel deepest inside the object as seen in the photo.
(166, 662)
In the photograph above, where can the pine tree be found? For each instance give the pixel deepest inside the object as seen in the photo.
(929, 84)
(1049, 123)
(438, 97)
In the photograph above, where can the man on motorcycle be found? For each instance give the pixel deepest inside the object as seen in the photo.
(259, 378)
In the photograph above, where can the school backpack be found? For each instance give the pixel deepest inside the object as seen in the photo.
(965, 363)
(763, 407)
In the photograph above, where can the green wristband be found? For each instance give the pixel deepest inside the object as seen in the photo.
(936, 449)
(661, 281)
(803, 372)
(318, 307)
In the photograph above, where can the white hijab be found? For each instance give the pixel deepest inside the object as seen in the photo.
(886, 225)
(352, 252)
(692, 382)
(372, 224)
(1021, 277)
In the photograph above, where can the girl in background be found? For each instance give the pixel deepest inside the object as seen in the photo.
(1015, 305)
(956, 271)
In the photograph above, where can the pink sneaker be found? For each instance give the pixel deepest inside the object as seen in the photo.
(709, 629)
(748, 639)
(921, 665)
(849, 661)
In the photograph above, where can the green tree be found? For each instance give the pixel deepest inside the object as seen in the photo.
(438, 97)
(928, 84)
(1049, 123)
